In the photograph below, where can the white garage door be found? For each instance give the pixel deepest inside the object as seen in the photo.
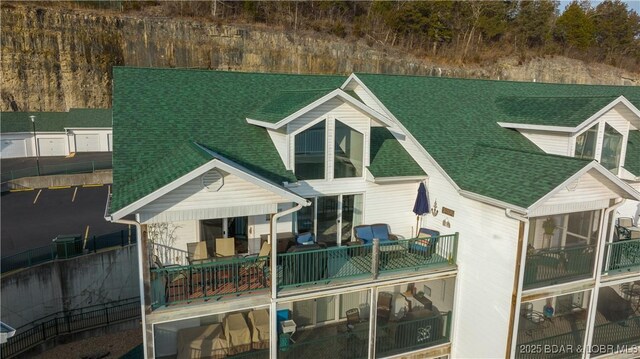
(87, 143)
(12, 148)
(110, 141)
(52, 147)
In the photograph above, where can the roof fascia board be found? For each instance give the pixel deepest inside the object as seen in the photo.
(163, 190)
(595, 166)
(409, 135)
(215, 163)
(399, 179)
(333, 94)
(255, 178)
(521, 126)
(493, 202)
(608, 107)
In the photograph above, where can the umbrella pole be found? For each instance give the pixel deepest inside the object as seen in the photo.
(417, 225)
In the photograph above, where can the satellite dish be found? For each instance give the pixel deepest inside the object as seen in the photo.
(212, 181)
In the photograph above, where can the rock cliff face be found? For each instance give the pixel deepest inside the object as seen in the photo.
(56, 59)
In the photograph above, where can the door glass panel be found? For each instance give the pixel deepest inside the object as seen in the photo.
(349, 148)
(351, 214)
(327, 219)
(611, 148)
(310, 153)
(303, 312)
(211, 229)
(304, 217)
(237, 228)
(326, 309)
(586, 143)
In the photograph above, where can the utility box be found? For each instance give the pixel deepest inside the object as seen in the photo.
(68, 245)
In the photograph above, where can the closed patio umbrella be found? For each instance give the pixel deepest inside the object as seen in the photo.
(421, 207)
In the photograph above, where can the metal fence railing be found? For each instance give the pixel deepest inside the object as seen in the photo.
(399, 337)
(67, 249)
(72, 321)
(622, 256)
(547, 347)
(557, 265)
(617, 336)
(60, 169)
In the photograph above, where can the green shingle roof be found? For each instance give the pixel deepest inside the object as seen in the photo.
(159, 113)
(455, 120)
(55, 121)
(549, 111)
(389, 158)
(286, 102)
(632, 159)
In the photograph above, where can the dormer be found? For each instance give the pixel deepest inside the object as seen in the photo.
(598, 128)
(321, 134)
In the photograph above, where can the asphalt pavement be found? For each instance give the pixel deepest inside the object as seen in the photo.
(33, 218)
(14, 164)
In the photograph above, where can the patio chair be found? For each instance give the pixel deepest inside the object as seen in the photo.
(384, 306)
(353, 317)
(225, 247)
(305, 238)
(171, 279)
(426, 242)
(625, 228)
(258, 267)
(197, 251)
(365, 233)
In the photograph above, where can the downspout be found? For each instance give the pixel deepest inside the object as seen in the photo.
(590, 326)
(523, 224)
(141, 280)
(273, 332)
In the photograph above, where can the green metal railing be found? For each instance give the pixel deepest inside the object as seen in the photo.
(557, 265)
(349, 344)
(404, 336)
(322, 266)
(64, 250)
(46, 170)
(212, 278)
(566, 345)
(617, 336)
(417, 253)
(622, 256)
(68, 322)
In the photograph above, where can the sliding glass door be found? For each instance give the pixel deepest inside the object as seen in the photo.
(331, 218)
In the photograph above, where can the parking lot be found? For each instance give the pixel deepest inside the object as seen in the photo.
(33, 218)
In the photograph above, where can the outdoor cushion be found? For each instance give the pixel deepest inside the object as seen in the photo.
(364, 233)
(305, 238)
(380, 231)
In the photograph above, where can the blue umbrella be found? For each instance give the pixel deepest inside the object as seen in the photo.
(421, 207)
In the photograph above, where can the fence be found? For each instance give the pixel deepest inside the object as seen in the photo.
(68, 249)
(61, 169)
(68, 322)
(557, 265)
(622, 256)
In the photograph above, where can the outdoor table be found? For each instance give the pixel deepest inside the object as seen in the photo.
(202, 342)
(259, 320)
(237, 333)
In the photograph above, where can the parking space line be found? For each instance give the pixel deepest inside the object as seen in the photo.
(86, 233)
(74, 194)
(21, 190)
(93, 185)
(59, 187)
(38, 195)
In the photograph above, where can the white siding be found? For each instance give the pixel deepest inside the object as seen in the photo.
(237, 197)
(556, 143)
(16, 145)
(392, 203)
(184, 232)
(279, 140)
(368, 100)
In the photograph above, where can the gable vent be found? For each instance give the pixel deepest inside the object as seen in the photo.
(212, 181)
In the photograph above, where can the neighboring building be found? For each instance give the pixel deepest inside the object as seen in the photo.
(525, 181)
(57, 133)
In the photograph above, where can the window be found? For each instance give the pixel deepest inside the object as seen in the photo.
(565, 230)
(611, 149)
(348, 155)
(586, 143)
(310, 153)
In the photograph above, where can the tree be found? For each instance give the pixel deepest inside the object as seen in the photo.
(616, 28)
(535, 21)
(575, 27)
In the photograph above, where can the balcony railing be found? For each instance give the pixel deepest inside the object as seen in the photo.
(213, 278)
(400, 337)
(167, 254)
(622, 256)
(617, 336)
(322, 266)
(557, 265)
(352, 344)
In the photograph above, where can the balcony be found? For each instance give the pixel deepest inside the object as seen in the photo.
(622, 257)
(558, 265)
(213, 278)
(617, 324)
